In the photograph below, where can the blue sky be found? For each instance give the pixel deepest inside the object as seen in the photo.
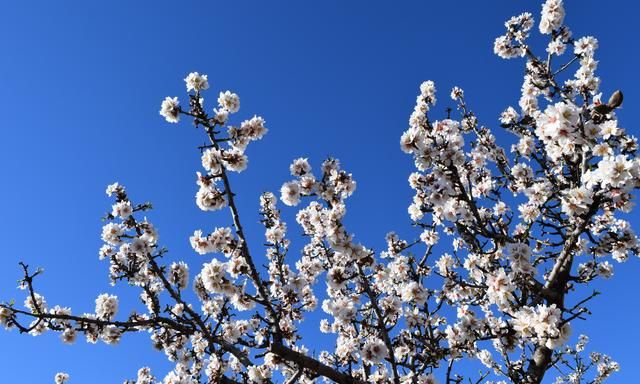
(80, 88)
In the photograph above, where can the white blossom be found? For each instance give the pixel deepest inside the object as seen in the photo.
(106, 306)
(374, 351)
(61, 378)
(170, 109)
(229, 101)
(290, 193)
(196, 82)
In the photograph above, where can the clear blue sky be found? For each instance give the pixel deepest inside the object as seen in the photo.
(80, 88)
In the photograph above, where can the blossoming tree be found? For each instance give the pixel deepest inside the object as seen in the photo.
(527, 228)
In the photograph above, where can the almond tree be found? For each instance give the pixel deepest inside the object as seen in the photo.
(525, 231)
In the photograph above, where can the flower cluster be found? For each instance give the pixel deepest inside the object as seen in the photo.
(552, 16)
(512, 44)
(106, 306)
(542, 324)
(61, 378)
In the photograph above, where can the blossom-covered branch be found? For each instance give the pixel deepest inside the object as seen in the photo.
(507, 245)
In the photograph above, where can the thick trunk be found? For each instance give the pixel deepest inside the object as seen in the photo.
(539, 364)
(542, 355)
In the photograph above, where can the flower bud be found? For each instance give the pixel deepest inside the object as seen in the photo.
(615, 100)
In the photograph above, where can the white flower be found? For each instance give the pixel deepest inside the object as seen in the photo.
(499, 288)
(145, 376)
(106, 251)
(556, 47)
(170, 109)
(523, 322)
(39, 305)
(114, 188)
(343, 309)
(232, 331)
(617, 171)
(140, 246)
(520, 254)
(529, 212)
(259, 374)
(209, 198)
(276, 233)
(211, 161)
(220, 239)
(111, 233)
(444, 264)
(5, 315)
(325, 327)
(221, 115)
(577, 201)
(525, 145)
(561, 338)
(234, 160)
(229, 101)
(522, 172)
(413, 292)
(178, 377)
(61, 378)
(552, 16)
(179, 274)
(122, 209)
(541, 322)
(253, 128)
(106, 306)
(457, 93)
(509, 116)
(485, 358)
(242, 302)
(605, 269)
(557, 127)
(610, 128)
(290, 193)
(374, 351)
(196, 82)
(68, 336)
(500, 208)
(111, 334)
(585, 46)
(426, 379)
(428, 92)
(300, 167)
(213, 276)
(429, 237)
